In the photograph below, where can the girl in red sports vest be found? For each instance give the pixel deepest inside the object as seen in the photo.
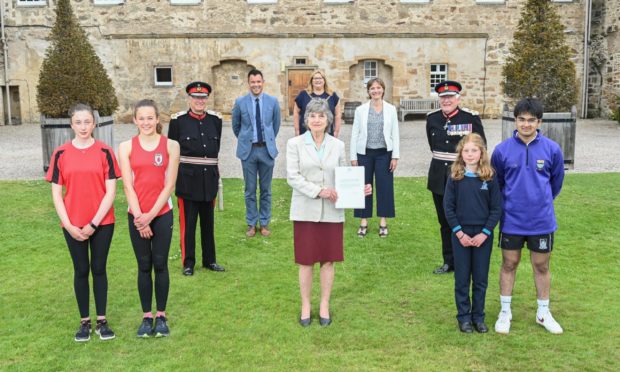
(149, 164)
(87, 170)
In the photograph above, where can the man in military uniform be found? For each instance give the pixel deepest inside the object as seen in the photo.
(199, 132)
(444, 129)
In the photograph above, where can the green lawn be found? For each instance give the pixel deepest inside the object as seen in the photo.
(389, 311)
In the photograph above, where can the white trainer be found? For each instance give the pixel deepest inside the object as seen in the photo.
(503, 322)
(550, 324)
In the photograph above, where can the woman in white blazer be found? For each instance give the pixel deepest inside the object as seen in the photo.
(375, 146)
(317, 225)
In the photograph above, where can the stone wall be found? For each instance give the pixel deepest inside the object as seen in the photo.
(200, 41)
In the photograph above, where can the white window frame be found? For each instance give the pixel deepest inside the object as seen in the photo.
(31, 3)
(368, 69)
(108, 2)
(163, 83)
(415, 1)
(337, 1)
(262, 1)
(185, 2)
(437, 76)
(300, 58)
(562, 1)
(490, 1)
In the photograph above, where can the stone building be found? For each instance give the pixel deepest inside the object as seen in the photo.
(153, 48)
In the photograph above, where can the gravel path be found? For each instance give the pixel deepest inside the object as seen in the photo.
(597, 148)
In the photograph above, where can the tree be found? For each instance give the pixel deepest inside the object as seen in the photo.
(71, 71)
(539, 63)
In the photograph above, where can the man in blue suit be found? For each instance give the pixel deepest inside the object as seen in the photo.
(255, 122)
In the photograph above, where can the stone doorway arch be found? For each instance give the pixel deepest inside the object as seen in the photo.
(358, 76)
(230, 82)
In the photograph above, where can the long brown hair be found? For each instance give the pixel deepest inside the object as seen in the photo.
(485, 170)
(326, 88)
(148, 103)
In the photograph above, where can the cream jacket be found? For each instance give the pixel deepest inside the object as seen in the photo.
(359, 132)
(308, 175)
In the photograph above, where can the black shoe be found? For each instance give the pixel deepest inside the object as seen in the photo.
(481, 327)
(83, 333)
(324, 322)
(103, 330)
(146, 328)
(188, 271)
(215, 267)
(305, 322)
(161, 328)
(443, 269)
(466, 327)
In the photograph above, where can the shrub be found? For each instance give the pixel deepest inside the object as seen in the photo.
(539, 63)
(71, 71)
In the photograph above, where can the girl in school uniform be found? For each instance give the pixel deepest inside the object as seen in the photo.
(149, 164)
(472, 203)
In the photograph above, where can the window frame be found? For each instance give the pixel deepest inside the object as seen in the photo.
(434, 75)
(30, 3)
(367, 77)
(108, 2)
(185, 2)
(165, 84)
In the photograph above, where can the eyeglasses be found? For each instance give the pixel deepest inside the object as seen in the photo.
(522, 120)
(317, 78)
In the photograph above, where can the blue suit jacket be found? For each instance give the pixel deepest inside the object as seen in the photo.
(242, 114)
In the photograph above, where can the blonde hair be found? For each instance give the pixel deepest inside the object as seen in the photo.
(310, 89)
(485, 170)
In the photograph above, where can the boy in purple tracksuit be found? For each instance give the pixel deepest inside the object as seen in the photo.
(530, 172)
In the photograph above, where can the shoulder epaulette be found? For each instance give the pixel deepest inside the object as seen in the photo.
(432, 112)
(473, 112)
(176, 115)
(214, 113)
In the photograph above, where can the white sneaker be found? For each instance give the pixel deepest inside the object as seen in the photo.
(549, 323)
(503, 322)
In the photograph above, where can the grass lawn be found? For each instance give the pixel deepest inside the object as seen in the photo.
(389, 311)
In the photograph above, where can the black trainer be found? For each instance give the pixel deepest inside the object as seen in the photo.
(83, 334)
(146, 328)
(161, 328)
(103, 330)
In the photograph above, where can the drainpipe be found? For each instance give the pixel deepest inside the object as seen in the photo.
(586, 61)
(5, 51)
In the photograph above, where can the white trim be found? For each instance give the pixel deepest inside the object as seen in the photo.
(562, 1)
(185, 2)
(262, 1)
(337, 1)
(415, 1)
(108, 2)
(31, 3)
(162, 83)
(490, 1)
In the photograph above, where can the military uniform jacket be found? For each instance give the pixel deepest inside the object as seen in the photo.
(443, 135)
(199, 138)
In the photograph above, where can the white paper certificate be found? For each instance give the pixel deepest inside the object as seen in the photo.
(350, 187)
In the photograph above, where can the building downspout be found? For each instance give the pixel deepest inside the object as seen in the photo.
(586, 61)
(5, 52)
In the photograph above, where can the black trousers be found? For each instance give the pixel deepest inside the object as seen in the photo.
(99, 244)
(152, 255)
(471, 265)
(376, 163)
(189, 211)
(444, 229)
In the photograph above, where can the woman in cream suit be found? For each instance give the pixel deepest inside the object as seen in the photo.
(375, 146)
(310, 162)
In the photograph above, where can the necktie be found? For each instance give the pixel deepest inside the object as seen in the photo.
(259, 122)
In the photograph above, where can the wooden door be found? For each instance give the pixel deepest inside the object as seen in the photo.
(297, 81)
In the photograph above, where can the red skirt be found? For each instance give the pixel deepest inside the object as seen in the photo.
(318, 242)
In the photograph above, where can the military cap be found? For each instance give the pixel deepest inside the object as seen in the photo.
(448, 88)
(198, 89)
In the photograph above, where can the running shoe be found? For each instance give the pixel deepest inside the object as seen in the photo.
(503, 323)
(83, 333)
(146, 328)
(549, 323)
(161, 328)
(103, 330)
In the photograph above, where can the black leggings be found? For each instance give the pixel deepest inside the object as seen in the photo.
(99, 244)
(153, 254)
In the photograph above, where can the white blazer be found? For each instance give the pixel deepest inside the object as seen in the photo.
(359, 132)
(308, 175)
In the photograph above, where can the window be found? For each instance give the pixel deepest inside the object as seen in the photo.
(439, 73)
(300, 61)
(415, 1)
(262, 1)
(490, 1)
(163, 76)
(185, 2)
(108, 2)
(370, 70)
(31, 2)
(337, 1)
